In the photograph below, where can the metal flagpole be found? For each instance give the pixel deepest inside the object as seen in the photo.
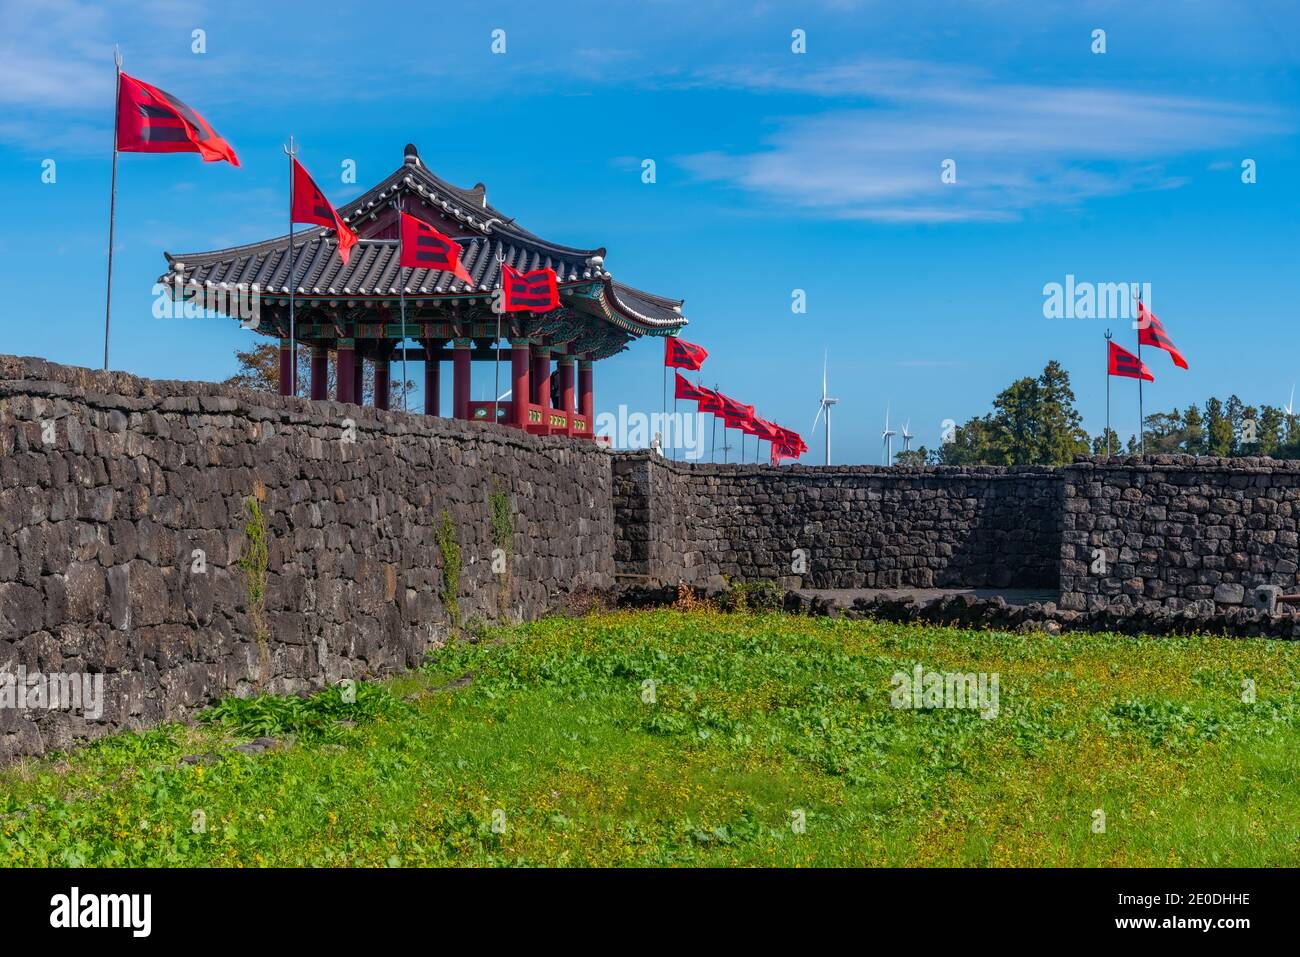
(1142, 424)
(678, 431)
(401, 292)
(501, 307)
(665, 400)
(713, 440)
(112, 203)
(293, 284)
(1106, 434)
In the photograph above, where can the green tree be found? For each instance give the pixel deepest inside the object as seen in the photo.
(1269, 425)
(1061, 435)
(1234, 410)
(1100, 445)
(1164, 433)
(1193, 431)
(972, 444)
(1033, 422)
(921, 456)
(1218, 429)
(1015, 423)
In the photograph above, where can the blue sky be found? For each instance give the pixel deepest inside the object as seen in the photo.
(775, 171)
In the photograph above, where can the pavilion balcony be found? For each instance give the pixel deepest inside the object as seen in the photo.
(540, 419)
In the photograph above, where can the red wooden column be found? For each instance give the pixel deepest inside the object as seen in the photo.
(383, 381)
(286, 368)
(344, 374)
(586, 401)
(519, 383)
(359, 379)
(565, 364)
(320, 373)
(541, 379)
(432, 377)
(460, 377)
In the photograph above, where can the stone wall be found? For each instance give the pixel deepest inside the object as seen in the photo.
(860, 526)
(1178, 532)
(124, 512)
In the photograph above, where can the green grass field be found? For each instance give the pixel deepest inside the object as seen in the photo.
(756, 720)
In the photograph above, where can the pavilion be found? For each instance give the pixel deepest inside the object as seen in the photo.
(354, 312)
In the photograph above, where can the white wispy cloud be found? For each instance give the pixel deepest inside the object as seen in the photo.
(877, 154)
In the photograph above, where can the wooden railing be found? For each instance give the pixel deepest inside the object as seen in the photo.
(541, 420)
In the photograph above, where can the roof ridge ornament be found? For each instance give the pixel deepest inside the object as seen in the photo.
(411, 156)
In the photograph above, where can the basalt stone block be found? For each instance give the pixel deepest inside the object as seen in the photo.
(1228, 593)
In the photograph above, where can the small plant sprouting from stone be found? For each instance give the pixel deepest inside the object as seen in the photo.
(503, 540)
(450, 550)
(254, 562)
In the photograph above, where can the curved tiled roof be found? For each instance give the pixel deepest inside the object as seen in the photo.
(372, 269)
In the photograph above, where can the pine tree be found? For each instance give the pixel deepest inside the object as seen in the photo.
(1061, 435)
(1218, 429)
(1033, 422)
(1269, 430)
(1193, 431)
(1101, 445)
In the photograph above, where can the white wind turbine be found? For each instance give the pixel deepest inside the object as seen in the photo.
(1290, 413)
(887, 437)
(907, 436)
(825, 406)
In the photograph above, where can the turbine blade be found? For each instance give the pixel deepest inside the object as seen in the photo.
(820, 409)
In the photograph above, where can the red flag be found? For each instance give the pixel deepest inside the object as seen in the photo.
(793, 442)
(1123, 363)
(683, 389)
(765, 430)
(736, 414)
(311, 206)
(1151, 332)
(709, 401)
(423, 247)
(150, 120)
(787, 445)
(680, 354)
(535, 291)
(780, 452)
